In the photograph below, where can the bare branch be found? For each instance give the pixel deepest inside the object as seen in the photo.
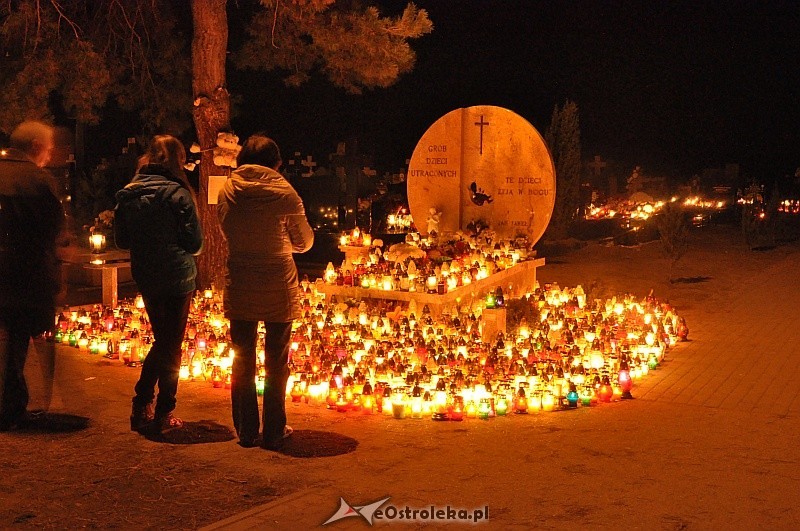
(61, 15)
(38, 24)
(275, 22)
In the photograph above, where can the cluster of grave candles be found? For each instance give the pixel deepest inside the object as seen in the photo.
(469, 260)
(380, 358)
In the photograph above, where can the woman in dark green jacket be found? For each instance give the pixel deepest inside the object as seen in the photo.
(156, 218)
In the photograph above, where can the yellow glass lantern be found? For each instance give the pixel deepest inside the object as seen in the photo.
(97, 242)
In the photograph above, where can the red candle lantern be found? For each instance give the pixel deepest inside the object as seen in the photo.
(604, 392)
(367, 400)
(457, 412)
(297, 392)
(333, 393)
(216, 378)
(521, 402)
(624, 380)
(683, 330)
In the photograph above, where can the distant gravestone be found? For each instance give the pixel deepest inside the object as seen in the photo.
(308, 163)
(483, 163)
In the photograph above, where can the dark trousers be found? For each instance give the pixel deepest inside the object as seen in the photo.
(244, 397)
(162, 365)
(17, 327)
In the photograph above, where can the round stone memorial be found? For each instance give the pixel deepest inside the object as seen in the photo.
(482, 163)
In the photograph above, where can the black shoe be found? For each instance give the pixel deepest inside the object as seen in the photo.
(141, 416)
(276, 444)
(21, 421)
(250, 442)
(7, 424)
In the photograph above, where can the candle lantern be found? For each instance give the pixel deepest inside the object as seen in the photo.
(521, 401)
(330, 273)
(440, 402)
(217, 381)
(97, 241)
(432, 284)
(572, 396)
(484, 408)
(333, 393)
(83, 341)
(297, 392)
(367, 399)
(471, 410)
(499, 298)
(587, 395)
(427, 403)
(416, 402)
(386, 402)
(133, 355)
(605, 392)
(345, 400)
(624, 380)
(502, 406)
(457, 411)
(399, 403)
(548, 401)
(683, 330)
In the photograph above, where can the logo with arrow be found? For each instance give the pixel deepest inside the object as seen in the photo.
(365, 511)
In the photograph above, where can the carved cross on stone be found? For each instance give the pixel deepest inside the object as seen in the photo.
(480, 124)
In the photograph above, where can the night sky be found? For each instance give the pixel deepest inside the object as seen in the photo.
(673, 86)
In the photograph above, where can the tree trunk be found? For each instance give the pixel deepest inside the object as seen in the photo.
(211, 115)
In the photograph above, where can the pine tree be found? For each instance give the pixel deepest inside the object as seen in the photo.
(564, 139)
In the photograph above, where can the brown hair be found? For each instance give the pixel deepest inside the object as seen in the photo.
(169, 152)
(260, 149)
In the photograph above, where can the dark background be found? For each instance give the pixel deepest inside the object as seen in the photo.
(674, 87)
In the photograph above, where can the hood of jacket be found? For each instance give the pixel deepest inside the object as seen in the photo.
(260, 183)
(152, 183)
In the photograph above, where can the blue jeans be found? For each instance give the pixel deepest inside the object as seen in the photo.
(244, 397)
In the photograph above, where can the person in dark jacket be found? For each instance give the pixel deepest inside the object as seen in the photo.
(156, 218)
(32, 221)
(264, 222)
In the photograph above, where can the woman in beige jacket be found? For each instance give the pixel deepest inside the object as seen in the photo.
(264, 222)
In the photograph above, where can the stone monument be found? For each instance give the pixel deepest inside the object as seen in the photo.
(487, 164)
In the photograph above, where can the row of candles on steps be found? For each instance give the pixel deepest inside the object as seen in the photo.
(573, 354)
(463, 261)
(428, 278)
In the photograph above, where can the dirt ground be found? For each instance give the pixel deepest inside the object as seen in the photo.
(668, 460)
